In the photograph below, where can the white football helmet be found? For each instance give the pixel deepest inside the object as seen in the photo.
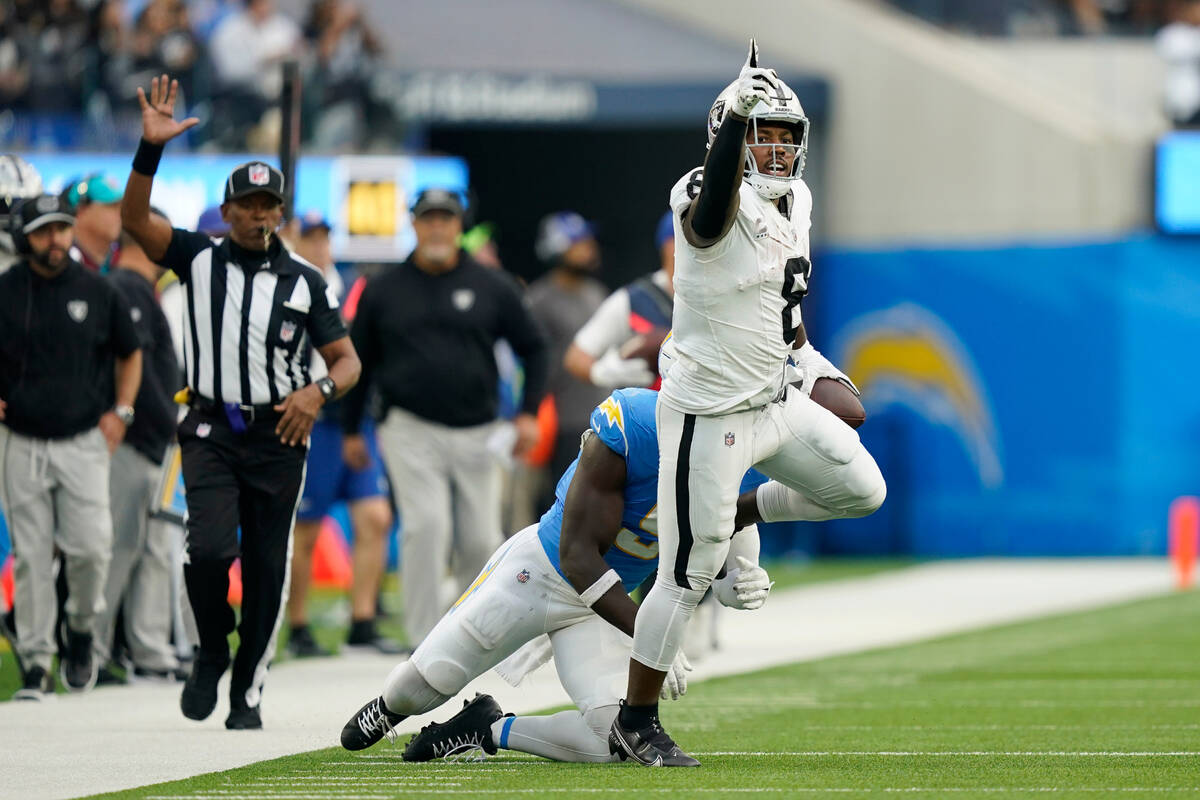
(784, 109)
(18, 181)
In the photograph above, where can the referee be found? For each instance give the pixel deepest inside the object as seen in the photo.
(249, 310)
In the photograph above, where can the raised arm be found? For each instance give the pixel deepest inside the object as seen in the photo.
(159, 126)
(591, 521)
(714, 208)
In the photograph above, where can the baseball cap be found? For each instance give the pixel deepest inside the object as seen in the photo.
(95, 188)
(665, 230)
(37, 211)
(437, 199)
(251, 177)
(312, 220)
(558, 231)
(212, 223)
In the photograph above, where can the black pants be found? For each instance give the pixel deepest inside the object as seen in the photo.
(252, 480)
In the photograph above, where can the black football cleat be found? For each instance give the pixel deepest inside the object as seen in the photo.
(199, 696)
(465, 736)
(372, 722)
(244, 718)
(650, 746)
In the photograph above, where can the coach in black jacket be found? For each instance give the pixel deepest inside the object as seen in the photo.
(426, 331)
(139, 576)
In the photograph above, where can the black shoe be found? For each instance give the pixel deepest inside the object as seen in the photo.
(649, 746)
(372, 722)
(79, 670)
(243, 718)
(301, 644)
(461, 736)
(199, 696)
(365, 636)
(37, 684)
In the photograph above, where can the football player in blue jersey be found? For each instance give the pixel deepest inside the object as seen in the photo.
(559, 588)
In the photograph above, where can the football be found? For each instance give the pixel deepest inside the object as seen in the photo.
(838, 398)
(645, 346)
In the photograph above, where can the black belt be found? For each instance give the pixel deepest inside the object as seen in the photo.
(249, 412)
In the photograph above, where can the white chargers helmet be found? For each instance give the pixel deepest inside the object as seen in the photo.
(784, 109)
(18, 181)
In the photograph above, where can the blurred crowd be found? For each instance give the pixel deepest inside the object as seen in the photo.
(67, 56)
(1045, 17)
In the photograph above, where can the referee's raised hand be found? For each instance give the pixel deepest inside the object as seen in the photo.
(299, 411)
(158, 113)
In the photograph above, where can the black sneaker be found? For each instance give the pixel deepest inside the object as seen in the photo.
(80, 669)
(199, 696)
(243, 718)
(364, 636)
(462, 736)
(37, 685)
(301, 644)
(372, 722)
(649, 746)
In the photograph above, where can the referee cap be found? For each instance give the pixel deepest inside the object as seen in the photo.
(252, 177)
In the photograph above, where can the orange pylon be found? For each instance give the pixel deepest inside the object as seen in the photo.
(1183, 524)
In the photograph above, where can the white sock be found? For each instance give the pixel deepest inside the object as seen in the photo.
(562, 737)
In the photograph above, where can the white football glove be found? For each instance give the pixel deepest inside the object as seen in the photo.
(613, 372)
(754, 85)
(807, 365)
(745, 587)
(675, 684)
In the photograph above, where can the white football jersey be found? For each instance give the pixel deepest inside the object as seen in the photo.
(737, 303)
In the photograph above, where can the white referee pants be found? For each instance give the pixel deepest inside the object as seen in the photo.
(54, 492)
(702, 461)
(447, 485)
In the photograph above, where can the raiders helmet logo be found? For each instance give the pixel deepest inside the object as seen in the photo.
(259, 174)
(77, 310)
(47, 203)
(463, 299)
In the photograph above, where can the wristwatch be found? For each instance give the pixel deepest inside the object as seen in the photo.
(328, 388)
(124, 413)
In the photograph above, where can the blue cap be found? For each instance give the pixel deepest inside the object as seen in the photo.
(313, 219)
(558, 231)
(665, 230)
(211, 222)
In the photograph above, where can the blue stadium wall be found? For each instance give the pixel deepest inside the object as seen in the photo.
(1021, 400)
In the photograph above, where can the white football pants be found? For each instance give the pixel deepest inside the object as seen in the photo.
(702, 460)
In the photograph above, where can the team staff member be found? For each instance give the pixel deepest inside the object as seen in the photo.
(426, 331)
(139, 576)
(250, 309)
(68, 349)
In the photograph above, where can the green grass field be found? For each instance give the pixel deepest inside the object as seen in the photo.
(1079, 706)
(329, 608)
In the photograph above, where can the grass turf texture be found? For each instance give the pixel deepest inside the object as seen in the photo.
(329, 611)
(1084, 705)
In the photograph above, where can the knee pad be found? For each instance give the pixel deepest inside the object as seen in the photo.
(407, 692)
(600, 720)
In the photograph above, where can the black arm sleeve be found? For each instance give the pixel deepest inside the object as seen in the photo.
(529, 343)
(183, 248)
(124, 335)
(717, 203)
(362, 335)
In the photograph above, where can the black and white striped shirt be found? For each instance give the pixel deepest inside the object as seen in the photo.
(247, 317)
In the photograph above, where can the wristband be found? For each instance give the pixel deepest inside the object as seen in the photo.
(145, 160)
(594, 592)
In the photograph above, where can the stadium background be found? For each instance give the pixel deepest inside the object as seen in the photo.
(992, 263)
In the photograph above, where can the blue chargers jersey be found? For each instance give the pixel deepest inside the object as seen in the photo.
(625, 423)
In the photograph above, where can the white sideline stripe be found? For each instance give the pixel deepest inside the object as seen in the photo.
(1067, 753)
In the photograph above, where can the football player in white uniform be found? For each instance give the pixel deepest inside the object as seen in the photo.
(741, 269)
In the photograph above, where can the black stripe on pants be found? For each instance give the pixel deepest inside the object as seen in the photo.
(253, 481)
(683, 510)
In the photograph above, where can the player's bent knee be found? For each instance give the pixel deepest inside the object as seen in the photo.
(870, 490)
